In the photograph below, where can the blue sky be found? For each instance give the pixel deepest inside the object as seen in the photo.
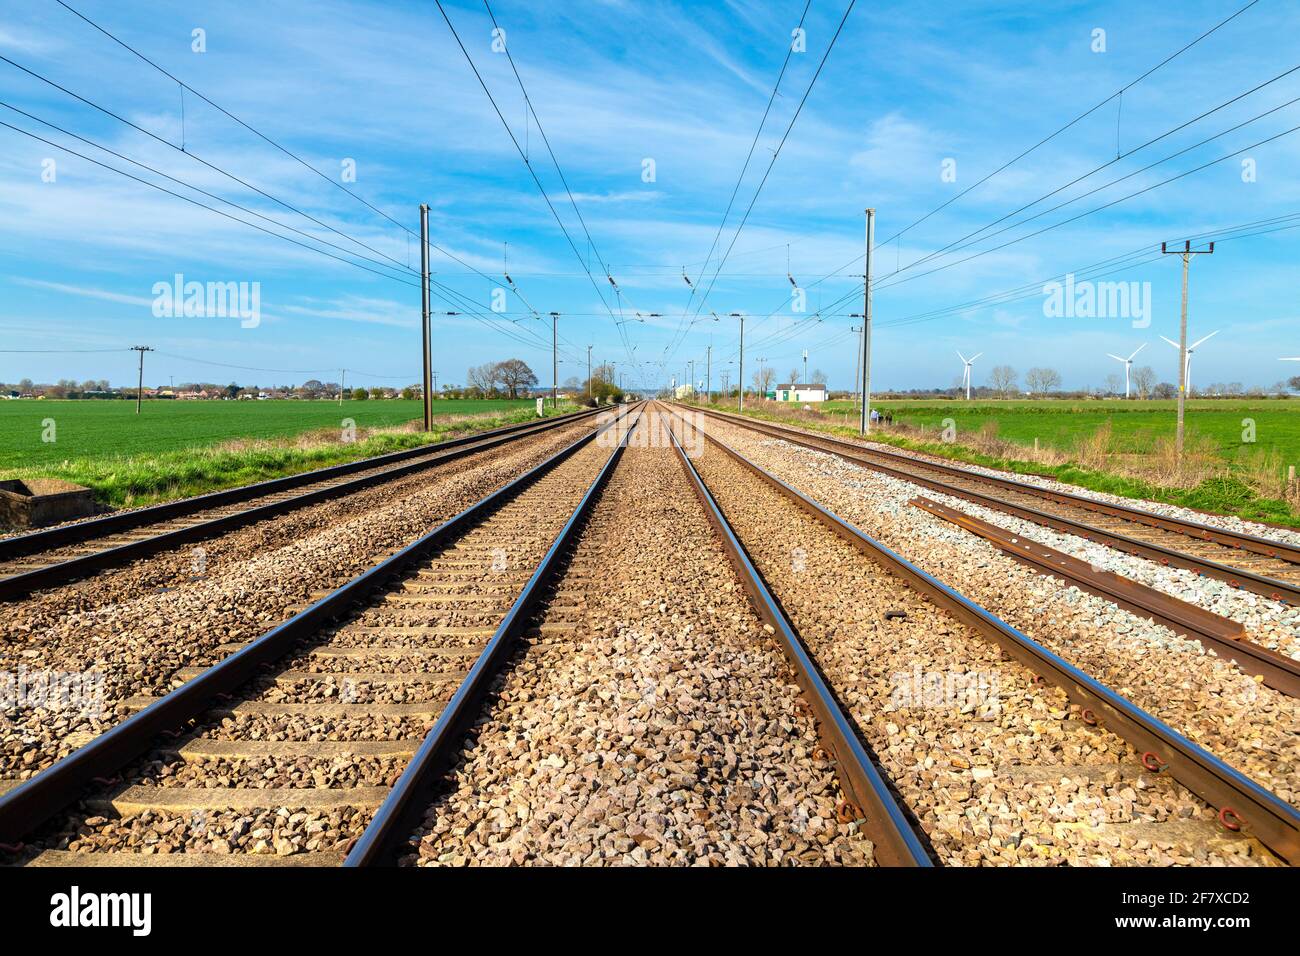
(906, 87)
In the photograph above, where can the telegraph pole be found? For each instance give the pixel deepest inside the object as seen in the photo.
(343, 377)
(865, 423)
(708, 375)
(805, 367)
(425, 325)
(555, 360)
(1186, 252)
(589, 371)
(139, 390)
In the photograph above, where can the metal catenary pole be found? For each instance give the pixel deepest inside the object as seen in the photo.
(741, 316)
(865, 423)
(425, 324)
(555, 360)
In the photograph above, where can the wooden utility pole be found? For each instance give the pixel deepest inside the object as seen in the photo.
(343, 377)
(589, 371)
(708, 374)
(139, 389)
(1186, 252)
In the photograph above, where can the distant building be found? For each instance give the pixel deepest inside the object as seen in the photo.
(800, 393)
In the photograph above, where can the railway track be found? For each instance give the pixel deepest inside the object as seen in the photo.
(289, 745)
(675, 747)
(55, 556)
(1262, 565)
(328, 739)
(1033, 755)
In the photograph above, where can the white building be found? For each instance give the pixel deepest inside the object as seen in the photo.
(801, 393)
(686, 391)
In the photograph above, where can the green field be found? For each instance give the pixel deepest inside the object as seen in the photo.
(98, 429)
(1134, 424)
(176, 448)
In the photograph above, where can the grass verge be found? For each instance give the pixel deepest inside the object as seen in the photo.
(136, 480)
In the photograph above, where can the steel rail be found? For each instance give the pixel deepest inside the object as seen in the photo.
(1227, 637)
(61, 572)
(380, 844)
(1272, 588)
(17, 546)
(1243, 804)
(1268, 547)
(33, 802)
(895, 839)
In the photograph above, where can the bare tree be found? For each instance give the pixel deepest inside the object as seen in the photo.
(514, 374)
(819, 377)
(1114, 383)
(1040, 381)
(1144, 380)
(763, 379)
(483, 377)
(726, 382)
(1002, 379)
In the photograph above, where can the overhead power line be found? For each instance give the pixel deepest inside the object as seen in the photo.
(221, 109)
(744, 167)
(524, 156)
(776, 153)
(1082, 116)
(199, 159)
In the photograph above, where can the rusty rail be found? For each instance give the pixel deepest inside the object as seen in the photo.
(1227, 637)
(896, 842)
(1272, 588)
(36, 800)
(1242, 804)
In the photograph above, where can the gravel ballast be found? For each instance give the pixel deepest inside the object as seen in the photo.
(652, 721)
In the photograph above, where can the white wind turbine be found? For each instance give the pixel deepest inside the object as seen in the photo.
(965, 378)
(1187, 365)
(1128, 364)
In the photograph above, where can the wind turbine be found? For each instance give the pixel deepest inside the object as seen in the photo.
(1128, 364)
(965, 378)
(1187, 364)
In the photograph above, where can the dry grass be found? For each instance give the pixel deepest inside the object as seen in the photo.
(1262, 469)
